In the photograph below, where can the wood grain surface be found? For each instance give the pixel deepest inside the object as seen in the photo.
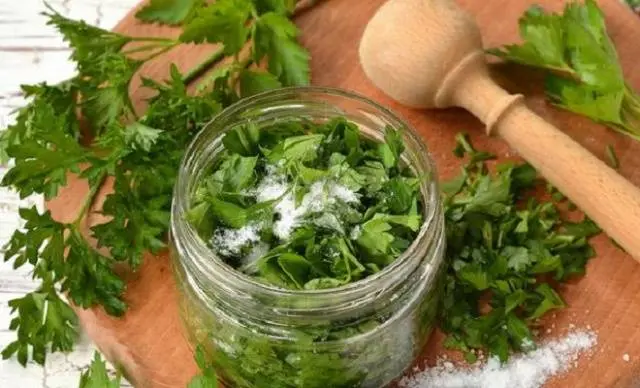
(149, 343)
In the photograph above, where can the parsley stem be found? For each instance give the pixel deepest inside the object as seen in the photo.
(152, 39)
(148, 47)
(632, 99)
(89, 200)
(160, 52)
(203, 66)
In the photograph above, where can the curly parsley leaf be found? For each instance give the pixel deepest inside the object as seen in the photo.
(41, 164)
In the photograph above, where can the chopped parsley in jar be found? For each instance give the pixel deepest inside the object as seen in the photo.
(307, 242)
(306, 206)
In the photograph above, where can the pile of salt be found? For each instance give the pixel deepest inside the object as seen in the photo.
(529, 370)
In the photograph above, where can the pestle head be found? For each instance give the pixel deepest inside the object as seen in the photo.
(410, 46)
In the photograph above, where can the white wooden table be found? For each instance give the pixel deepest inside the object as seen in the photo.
(32, 52)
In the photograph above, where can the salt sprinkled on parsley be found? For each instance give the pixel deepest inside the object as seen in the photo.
(231, 241)
(343, 193)
(356, 232)
(321, 194)
(256, 252)
(529, 370)
(272, 186)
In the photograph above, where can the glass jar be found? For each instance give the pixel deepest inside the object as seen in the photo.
(363, 334)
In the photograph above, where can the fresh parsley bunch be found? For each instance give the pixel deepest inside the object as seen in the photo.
(584, 75)
(87, 126)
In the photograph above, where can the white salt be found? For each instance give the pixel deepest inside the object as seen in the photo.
(321, 194)
(626, 357)
(231, 241)
(356, 232)
(256, 252)
(343, 193)
(529, 370)
(272, 186)
(289, 217)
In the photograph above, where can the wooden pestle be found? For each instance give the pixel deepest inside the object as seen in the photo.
(428, 54)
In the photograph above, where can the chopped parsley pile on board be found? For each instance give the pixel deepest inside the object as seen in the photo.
(507, 247)
(306, 206)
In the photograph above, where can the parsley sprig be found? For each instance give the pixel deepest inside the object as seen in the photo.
(505, 247)
(97, 375)
(87, 126)
(583, 73)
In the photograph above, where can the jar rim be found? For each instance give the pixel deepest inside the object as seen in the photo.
(180, 204)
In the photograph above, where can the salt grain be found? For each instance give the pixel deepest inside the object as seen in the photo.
(529, 370)
(626, 357)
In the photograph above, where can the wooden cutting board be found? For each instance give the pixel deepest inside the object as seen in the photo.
(148, 341)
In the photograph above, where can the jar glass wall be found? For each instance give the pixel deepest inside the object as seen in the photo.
(362, 334)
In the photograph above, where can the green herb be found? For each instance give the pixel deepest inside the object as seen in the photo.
(583, 72)
(612, 158)
(168, 11)
(328, 221)
(307, 206)
(504, 249)
(634, 4)
(139, 153)
(207, 377)
(244, 355)
(97, 375)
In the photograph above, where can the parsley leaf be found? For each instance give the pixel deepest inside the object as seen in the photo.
(254, 82)
(283, 7)
(275, 37)
(42, 164)
(583, 71)
(223, 21)
(97, 375)
(167, 11)
(207, 377)
(43, 320)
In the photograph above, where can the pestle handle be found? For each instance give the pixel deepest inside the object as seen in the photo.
(603, 194)
(428, 54)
